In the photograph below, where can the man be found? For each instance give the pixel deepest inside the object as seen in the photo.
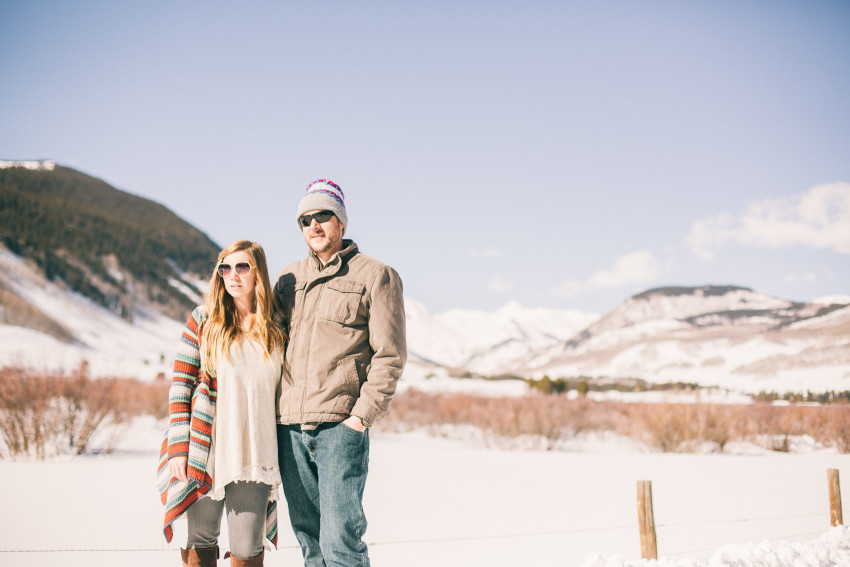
(346, 351)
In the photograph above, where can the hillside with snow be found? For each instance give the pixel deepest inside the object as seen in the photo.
(119, 250)
(64, 328)
(712, 335)
(487, 342)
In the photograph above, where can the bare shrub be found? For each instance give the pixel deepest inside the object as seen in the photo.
(669, 427)
(773, 426)
(133, 398)
(86, 404)
(764, 427)
(684, 427)
(28, 418)
(722, 424)
(43, 414)
(551, 418)
(836, 430)
(676, 427)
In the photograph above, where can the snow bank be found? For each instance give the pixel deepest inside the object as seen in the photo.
(832, 549)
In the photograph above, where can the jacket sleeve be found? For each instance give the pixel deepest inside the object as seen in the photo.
(187, 364)
(388, 340)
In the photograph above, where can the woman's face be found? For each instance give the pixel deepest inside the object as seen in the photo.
(239, 285)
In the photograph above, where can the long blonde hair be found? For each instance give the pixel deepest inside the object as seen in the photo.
(222, 327)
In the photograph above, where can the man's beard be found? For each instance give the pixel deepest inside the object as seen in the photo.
(328, 246)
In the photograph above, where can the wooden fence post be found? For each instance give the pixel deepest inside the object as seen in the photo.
(835, 516)
(646, 520)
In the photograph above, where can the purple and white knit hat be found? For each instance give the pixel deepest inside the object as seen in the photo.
(324, 195)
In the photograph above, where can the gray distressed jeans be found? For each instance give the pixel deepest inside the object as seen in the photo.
(246, 519)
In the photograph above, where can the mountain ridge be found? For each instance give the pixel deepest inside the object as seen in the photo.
(728, 336)
(118, 249)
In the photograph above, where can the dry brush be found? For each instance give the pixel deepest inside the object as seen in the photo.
(665, 427)
(44, 414)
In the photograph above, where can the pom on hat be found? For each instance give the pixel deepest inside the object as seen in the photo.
(324, 195)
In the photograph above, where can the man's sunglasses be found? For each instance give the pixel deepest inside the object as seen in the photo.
(242, 268)
(321, 216)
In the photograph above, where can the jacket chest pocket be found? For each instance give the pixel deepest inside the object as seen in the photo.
(288, 299)
(341, 301)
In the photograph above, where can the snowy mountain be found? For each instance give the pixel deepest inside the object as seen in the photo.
(92, 273)
(486, 342)
(120, 250)
(711, 335)
(55, 328)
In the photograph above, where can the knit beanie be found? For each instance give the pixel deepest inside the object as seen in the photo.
(324, 195)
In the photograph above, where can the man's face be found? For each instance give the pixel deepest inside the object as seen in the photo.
(325, 238)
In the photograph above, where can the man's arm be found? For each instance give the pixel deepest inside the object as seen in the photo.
(388, 340)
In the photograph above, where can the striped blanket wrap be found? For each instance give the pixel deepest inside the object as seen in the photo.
(191, 402)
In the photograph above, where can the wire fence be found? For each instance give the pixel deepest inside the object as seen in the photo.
(504, 536)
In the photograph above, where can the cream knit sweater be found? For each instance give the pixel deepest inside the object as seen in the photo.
(244, 436)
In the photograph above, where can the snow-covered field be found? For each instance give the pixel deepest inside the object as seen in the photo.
(441, 502)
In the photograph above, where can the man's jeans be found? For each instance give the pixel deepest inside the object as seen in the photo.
(324, 473)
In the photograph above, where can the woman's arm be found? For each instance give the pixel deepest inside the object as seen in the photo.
(187, 365)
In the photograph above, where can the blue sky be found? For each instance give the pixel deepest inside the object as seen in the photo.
(560, 154)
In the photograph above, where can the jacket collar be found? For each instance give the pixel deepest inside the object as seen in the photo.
(349, 248)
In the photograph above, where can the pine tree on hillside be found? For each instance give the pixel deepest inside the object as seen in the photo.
(70, 223)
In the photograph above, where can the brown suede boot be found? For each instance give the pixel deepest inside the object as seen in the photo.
(203, 557)
(256, 561)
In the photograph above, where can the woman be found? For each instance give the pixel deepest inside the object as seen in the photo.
(221, 445)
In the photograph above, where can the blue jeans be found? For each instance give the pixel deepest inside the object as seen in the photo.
(324, 473)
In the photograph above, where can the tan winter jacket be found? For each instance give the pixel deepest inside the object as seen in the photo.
(347, 345)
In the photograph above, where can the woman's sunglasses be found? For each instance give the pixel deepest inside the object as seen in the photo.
(321, 216)
(242, 269)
